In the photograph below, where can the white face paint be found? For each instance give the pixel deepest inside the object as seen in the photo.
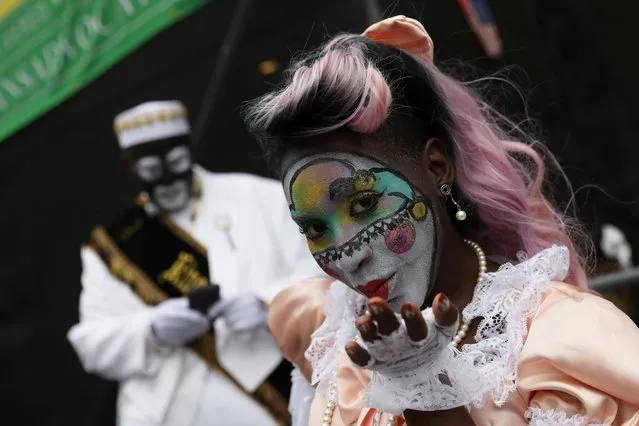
(178, 160)
(171, 197)
(166, 177)
(366, 225)
(149, 169)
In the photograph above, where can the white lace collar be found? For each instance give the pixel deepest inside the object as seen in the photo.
(486, 370)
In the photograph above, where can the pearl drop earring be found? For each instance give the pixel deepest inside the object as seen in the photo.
(446, 191)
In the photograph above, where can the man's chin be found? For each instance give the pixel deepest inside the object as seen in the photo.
(172, 207)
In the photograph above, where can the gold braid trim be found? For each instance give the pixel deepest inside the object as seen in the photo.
(126, 271)
(148, 119)
(265, 395)
(276, 404)
(205, 347)
(122, 268)
(180, 233)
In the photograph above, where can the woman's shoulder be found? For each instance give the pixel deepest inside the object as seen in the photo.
(578, 335)
(295, 313)
(573, 317)
(574, 304)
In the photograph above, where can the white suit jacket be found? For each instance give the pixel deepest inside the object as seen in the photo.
(161, 385)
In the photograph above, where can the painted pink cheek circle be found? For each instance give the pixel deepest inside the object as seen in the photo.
(326, 268)
(400, 239)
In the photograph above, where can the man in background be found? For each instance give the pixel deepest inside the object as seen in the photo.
(176, 289)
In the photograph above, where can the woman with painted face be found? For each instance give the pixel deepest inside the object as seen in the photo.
(460, 296)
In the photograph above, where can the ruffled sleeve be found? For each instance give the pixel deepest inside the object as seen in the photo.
(580, 362)
(295, 313)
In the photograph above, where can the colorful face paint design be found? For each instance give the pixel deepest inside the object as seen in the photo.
(399, 239)
(366, 225)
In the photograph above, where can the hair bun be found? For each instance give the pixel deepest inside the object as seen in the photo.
(375, 105)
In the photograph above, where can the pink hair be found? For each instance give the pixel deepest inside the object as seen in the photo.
(506, 192)
(501, 178)
(365, 97)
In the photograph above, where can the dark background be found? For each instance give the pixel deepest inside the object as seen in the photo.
(575, 61)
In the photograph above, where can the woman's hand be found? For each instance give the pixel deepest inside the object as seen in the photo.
(394, 343)
(397, 344)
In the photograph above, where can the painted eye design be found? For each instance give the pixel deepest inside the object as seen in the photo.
(364, 180)
(178, 160)
(149, 168)
(364, 203)
(313, 230)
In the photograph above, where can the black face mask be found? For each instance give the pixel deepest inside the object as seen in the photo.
(164, 170)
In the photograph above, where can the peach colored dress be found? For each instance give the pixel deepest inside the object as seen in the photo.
(578, 365)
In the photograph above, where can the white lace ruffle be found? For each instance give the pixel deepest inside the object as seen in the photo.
(484, 370)
(487, 369)
(539, 417)
(326, 350)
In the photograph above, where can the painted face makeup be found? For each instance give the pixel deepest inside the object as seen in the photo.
(166, 176)
(365, 224)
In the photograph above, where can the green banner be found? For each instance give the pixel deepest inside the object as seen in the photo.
(49, 49)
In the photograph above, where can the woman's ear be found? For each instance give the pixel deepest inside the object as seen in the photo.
(440, 163)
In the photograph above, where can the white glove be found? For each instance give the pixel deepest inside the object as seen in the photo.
(175, 324)
(241, 313)
(396, 355)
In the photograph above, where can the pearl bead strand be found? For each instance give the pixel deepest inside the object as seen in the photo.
(330, 409)
(481, 258)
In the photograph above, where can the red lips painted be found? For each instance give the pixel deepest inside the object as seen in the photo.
(375, 288)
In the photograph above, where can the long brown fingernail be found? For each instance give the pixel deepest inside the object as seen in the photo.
(444, 304)
(410, 312)
(363, 327)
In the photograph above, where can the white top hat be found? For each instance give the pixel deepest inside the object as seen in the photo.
(151, 121)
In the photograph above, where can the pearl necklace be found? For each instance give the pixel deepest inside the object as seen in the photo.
(481, 257)
(330, 409)
(332, 393)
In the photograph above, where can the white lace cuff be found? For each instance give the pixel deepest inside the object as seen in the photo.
(487, 369)
(481, 372)
(302, 394)
(539, 417)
